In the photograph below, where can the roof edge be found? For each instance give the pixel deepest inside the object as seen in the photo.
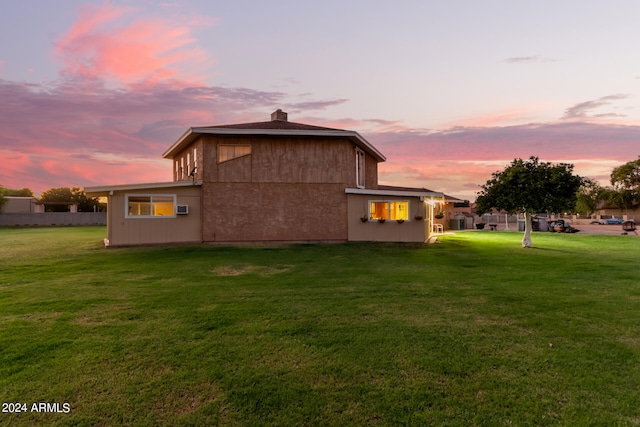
(400, 193)
(190, 134)
(103, 189)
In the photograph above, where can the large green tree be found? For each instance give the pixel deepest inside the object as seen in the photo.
(530, 186)
(69, 195)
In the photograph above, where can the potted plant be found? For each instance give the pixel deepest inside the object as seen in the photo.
(364, 218)
(439, 215)
(418, 217)
(381, 220)
(399, 221)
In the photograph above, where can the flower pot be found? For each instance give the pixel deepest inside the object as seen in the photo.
(399, 221)
(381, 221)
(364, 219)
(418, 217)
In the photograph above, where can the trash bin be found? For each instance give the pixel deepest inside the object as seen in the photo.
(456, 224)
(521, 225)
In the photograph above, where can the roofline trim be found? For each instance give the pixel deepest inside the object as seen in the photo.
(398, 193)
(194, 131)
(143, 186)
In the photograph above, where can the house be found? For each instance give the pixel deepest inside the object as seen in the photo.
(274, 181)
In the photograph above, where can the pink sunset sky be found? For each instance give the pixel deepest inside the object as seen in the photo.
(92, 92)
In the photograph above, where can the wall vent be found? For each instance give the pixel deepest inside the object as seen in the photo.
(182, 209)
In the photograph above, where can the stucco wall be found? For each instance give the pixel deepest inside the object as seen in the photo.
(124, 231)
(390, 231)
(237, 212)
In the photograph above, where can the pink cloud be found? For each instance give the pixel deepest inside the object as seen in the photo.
(107, 43)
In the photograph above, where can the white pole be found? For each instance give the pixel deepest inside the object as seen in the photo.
(506, 222)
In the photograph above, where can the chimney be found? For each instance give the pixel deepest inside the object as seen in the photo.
(279, 115)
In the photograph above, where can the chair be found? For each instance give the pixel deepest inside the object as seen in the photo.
(438, 228)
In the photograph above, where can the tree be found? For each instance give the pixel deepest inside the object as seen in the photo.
(19, 192)
(69, 195)
(626, 185)
(3, 199)
(589, 195)
(627, 177)
(530, 186)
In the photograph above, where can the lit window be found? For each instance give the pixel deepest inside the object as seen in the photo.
(148, 206)
(389, 210)
(359, 168)
(230, 152)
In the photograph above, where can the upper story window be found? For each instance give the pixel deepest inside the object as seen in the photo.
(230, 152)
(150, 205)
(359, 168)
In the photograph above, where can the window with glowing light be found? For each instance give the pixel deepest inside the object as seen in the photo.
(150, 206)
(230, 152)
(389, 210)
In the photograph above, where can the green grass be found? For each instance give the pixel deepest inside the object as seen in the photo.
(474, 330)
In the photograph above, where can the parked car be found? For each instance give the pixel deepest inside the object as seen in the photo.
(596, 221)
(610, 221)
(561, 226)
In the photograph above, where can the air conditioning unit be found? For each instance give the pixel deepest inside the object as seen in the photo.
(182, 209)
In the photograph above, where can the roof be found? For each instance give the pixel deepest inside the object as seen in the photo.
(388, 190)
(104, 190)
(272, 128)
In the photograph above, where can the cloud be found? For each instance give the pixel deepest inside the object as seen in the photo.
(583, 110)
(315, 105)
(526, 59)
(457, 160)
(110, 42)
(59, 133)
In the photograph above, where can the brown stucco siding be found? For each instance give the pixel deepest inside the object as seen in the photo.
(371, 172)
(236, 212)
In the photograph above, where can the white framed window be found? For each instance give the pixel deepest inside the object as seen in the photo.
(391, 210)
(360, 168)
(150, 206)
(230, 152)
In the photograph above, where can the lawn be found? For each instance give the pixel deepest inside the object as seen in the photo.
(473, 330)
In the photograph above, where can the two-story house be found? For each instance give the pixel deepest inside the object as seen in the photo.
(274, 181)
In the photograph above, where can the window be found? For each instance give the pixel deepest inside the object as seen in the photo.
(230, 152)
(149, 206)
(359, 168)
(389, 210)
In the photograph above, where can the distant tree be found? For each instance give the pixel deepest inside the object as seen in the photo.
(626, 185)
(530, 186)
(20, 192)
(3, 199)
(69, 195)
(627, 177)
(618, 197)
(589, 195)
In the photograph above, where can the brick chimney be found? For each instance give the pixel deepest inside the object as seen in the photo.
(279, 115)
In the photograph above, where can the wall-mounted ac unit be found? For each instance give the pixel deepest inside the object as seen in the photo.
(182, 209)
